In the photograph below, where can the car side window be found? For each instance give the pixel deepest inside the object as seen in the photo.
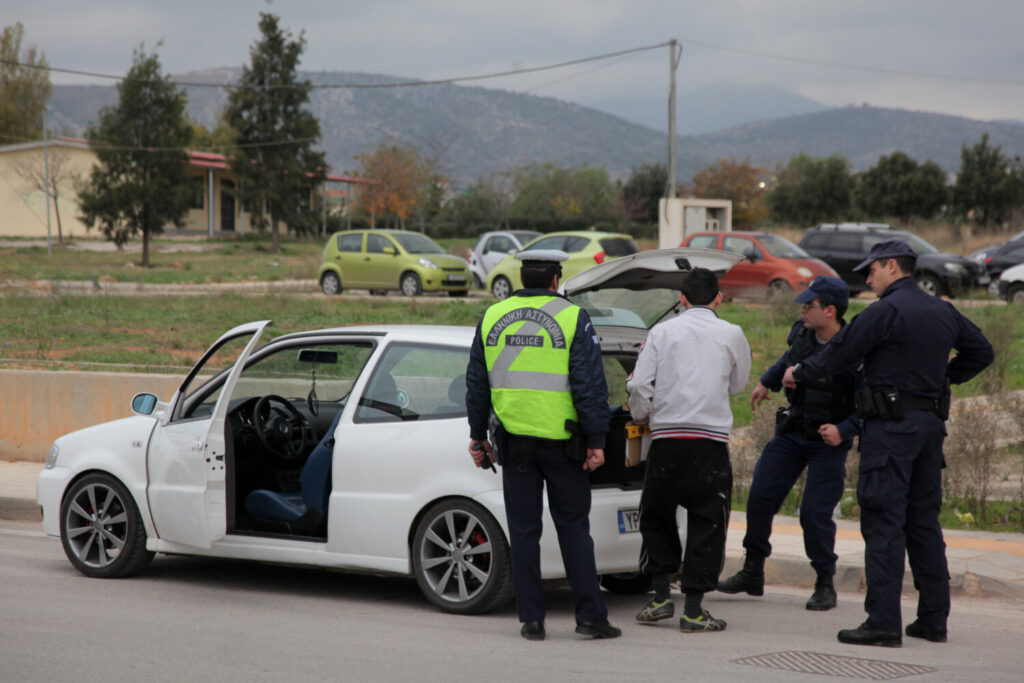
(741, 245)
(416, 382)
(375, 244)
(574, 244)
(556, 242)
(704, 242)
(350, 241)
(499, 243)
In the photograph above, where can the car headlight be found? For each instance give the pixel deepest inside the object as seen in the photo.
(954, 268)
(51, 457)
(805, 272)
(427, 263)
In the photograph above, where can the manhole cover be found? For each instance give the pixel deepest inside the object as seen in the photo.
(835, 665)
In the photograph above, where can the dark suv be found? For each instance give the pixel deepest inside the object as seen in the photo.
(844, 245)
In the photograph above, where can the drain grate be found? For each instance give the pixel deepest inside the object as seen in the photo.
(835, 665)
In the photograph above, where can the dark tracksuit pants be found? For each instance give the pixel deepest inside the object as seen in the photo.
(568, 489)
(697, 475)
(780, 465)
(900, 494)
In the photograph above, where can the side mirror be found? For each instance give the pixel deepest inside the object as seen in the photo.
(751, 256)
(390, 250)
(144, 404)
(512, 251)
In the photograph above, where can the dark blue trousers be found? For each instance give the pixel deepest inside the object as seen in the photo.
(782, 461)
(900, 495)
(568, 488)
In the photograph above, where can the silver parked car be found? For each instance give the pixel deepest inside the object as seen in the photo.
(492, 247)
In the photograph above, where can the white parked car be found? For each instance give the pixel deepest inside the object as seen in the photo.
(492, 247)
(1010, 285)
(344, 448)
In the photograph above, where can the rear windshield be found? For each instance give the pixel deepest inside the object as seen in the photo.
(417, 244)
(780, 247)
(618, 246)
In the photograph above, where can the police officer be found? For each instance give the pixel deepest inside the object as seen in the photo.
(536, 363)
(904, 340)
(814, 432)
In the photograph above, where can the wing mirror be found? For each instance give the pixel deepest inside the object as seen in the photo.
(390, 250)
(147, 404)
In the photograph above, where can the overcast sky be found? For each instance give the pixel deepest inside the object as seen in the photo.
(784, 43)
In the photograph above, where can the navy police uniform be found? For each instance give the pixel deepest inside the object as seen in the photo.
(904, 340)
(529, 463)
(797, 446)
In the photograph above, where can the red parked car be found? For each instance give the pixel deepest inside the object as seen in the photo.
(773, 266)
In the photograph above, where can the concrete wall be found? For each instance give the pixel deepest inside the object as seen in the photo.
(37, 406)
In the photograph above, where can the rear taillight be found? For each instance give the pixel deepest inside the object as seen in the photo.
(988, 260)
(599, 257)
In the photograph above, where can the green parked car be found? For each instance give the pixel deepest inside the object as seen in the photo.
(379, 260)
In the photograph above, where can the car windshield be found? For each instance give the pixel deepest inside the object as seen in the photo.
(780, 247)
(417, 244)
(915, 242)
(619, 307)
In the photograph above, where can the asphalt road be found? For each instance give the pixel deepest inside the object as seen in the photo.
(199, 619)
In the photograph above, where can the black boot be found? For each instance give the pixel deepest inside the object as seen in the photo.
(749, 580)
(824, 597)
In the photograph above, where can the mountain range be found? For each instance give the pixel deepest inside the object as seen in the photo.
(488, 130)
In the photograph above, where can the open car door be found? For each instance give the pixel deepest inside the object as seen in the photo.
(186, 459)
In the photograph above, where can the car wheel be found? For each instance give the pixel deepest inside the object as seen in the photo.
(930, 284)
(626, 583)
(779, 288)
(460, 558)
(501, 288)
(330, 283)
(458, 292)
(1016, 294)
(410, 284)
(101, 530)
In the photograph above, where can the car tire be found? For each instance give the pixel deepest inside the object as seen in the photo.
(779, 289)
(453, 573)
(929, 283)
(1016, 294)
(101, 529)
(410, 284)
(626, 583)
(330, 283)
(458, 292)
(501, 288)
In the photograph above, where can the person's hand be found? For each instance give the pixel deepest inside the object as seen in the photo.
(759, 394)
(788, 380)
(479, 455)
(830, 434)
(595, 458)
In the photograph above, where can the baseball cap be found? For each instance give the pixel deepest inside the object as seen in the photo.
(890, 248)
(830, 291)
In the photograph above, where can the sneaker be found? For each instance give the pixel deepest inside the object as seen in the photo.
(705, 622)
(656, 611)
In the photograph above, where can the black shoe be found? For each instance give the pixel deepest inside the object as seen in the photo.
(824, 598)
(862, 635)
(596, 630)
(743, 582)
(919, 630)
(532, 630)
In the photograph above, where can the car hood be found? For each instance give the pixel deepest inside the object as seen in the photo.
(444, 260)
(943, 257)
(629, 295)
(1013, 273)
(127, 435)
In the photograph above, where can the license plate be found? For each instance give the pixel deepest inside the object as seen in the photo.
(984, 280)
(629, 521)
(456, 278)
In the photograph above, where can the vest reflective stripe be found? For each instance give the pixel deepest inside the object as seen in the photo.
(526, 348)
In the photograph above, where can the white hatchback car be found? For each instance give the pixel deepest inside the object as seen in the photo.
(342, 448)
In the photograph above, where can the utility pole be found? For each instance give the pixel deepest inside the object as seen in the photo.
(46, 163)
(675, 54)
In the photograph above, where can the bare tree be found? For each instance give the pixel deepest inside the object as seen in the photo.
(63, 178)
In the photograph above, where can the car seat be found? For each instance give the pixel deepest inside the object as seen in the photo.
(303, 512)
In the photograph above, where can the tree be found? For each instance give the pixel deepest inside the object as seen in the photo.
(643, 190)
(395, 191)
(548, 197)
(274, 158)
(141, 182)
(989, 186)
(63, 178)
(220, 140)
(739, 181)
(24, 88)
(809, 189)
(898, 186)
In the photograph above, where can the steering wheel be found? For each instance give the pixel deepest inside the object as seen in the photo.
(281, 427)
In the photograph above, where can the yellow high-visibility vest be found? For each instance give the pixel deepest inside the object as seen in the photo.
(526, 347)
